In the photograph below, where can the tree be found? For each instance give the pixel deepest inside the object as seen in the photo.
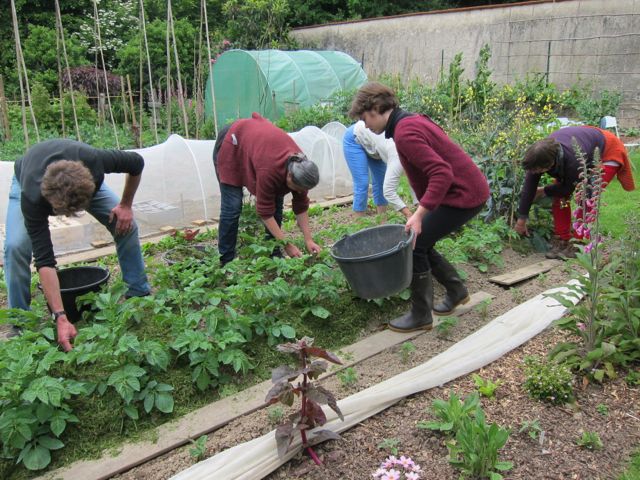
(41, 56)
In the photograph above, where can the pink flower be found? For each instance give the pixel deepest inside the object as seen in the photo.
(389, 462)
(379, 473)
(412, 476)
(578, 228)
(416, 468)
(588, 247)
(581, 326)
(406, 462)
(392, 474)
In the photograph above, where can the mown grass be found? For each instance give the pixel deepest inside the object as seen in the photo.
(632, 472)
(620, 203)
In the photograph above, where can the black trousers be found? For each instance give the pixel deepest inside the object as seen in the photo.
(438, 224)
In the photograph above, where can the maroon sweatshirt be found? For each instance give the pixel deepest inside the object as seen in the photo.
(439, 171)
(254, 154)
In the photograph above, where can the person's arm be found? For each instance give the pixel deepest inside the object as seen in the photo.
(123, 212)
(390, 185)
(51, 289)
(527, 196)
(36, 221)
(303, 224)
(278, 234)
(415, 222)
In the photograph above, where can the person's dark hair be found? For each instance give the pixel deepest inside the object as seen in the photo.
(304, 172)
(541, 154)
(68, 186)
(373, 96)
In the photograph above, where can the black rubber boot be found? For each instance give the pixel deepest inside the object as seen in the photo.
(419, 317)
(447, 275)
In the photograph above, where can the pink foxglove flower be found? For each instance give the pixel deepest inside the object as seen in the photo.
(581, 326)
(588, 247)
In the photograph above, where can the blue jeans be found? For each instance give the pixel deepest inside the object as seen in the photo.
(230, 210)
(360, 164)
(18, 250)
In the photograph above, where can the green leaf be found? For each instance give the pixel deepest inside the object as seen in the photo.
(287, 331)
(57, 426)
(164, 402)
(148, 402)
(131, 412)
(503, 466)
(598, 375)
(50, 443)
(320, 312)
(36, 458)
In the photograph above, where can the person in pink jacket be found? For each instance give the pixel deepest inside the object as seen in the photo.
(450, 188)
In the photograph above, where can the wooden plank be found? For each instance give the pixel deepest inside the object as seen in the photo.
(207, 419)
(524, 273)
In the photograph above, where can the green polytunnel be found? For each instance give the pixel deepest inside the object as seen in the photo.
(271, 82)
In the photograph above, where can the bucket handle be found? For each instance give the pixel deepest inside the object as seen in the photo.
(403, 243)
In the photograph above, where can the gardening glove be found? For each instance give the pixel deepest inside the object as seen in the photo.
(124, 218)
(292, 250)
(66, 333)
(521, 227)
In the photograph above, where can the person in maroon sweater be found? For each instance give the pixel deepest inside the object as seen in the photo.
(451, 190)
(255, 154)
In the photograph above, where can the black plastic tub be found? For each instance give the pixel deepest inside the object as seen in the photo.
(377, 262)
(76, 281)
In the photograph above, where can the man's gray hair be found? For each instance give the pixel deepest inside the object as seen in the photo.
(304, 172)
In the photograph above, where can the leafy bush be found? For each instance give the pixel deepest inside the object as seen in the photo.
(548, 381)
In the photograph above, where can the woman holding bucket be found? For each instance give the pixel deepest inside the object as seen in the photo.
(451, 190)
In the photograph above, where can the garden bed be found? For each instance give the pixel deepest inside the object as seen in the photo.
(359, 453)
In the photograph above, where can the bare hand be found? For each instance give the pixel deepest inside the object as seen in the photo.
(521, 227)
(292, 250)
(414, 223)
(66, 333)
(124, 218)
(539, 193)
(313, 247)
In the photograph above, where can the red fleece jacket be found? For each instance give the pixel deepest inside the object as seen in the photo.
(439, 171)
(254, 154)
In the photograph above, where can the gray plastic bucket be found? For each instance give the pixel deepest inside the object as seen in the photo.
(377, 262)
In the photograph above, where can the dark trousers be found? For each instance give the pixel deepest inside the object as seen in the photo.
(436, 225)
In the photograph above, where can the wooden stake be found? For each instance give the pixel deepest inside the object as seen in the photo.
(134, 124)
(66, 61)
(4, 112)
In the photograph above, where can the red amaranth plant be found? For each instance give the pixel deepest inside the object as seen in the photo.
(311, 395)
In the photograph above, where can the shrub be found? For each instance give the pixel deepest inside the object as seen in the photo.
(548, 381)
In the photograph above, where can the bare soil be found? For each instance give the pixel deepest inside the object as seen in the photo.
(358, 454)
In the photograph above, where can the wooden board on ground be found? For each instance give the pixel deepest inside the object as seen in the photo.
(217, 414)
(524, 273)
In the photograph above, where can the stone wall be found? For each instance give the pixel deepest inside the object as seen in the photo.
(593, 41)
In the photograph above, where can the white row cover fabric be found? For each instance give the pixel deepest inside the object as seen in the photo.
(257, 458)
(179, 184)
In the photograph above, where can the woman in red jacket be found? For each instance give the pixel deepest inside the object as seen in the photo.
(254, 153)
(451, 190)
